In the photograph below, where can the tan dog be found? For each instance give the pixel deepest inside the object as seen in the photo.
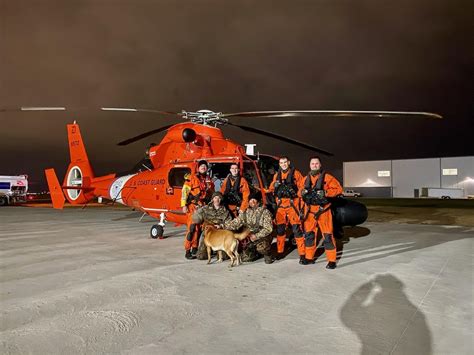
(223, 240)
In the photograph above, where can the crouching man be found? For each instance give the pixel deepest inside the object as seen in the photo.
(259, 220)
(213, 213)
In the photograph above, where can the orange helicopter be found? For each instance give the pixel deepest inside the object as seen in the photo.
(156, 190)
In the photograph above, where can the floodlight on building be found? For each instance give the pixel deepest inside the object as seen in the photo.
(369, 183)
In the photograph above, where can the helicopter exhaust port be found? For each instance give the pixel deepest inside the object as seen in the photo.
(189, 135)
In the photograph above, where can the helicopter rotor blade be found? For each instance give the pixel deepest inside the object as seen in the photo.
(332, 113)
(115, 109)
(144, 135)
(284, 139)
(146, 110)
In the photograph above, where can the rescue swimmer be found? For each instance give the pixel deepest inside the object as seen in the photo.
(286, 184)
(197, 191)
(235, 190)
(316, 213)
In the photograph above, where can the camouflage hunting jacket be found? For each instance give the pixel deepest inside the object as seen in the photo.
(258, 220)
(214, 216)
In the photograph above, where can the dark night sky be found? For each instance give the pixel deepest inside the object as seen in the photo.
(235, 56)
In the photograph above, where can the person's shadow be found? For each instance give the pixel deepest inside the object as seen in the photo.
(384, 319)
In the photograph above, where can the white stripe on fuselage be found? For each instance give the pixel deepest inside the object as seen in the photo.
(117, 187)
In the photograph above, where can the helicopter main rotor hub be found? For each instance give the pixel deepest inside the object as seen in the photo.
(205, 117)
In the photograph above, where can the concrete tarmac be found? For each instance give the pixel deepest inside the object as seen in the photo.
(92, 281)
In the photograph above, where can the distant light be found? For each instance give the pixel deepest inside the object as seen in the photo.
(450, 172)
(118, 109)
(383, 173)
(43, 109)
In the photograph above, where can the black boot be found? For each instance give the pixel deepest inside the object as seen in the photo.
(268, 259)
(304, 261)
(331, 265)
(188, 255)
(194, 251)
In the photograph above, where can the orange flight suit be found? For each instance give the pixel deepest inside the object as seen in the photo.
(196, 192)
(287, 211)
(319, 216)
(243, 191)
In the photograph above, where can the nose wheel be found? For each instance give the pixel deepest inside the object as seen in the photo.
(157, 230)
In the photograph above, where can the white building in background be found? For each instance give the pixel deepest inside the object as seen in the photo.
(406, 178)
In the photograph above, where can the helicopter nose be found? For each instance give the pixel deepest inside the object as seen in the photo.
(189, 135)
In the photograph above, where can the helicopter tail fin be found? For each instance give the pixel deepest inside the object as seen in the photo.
(79, 172)
(77, 150)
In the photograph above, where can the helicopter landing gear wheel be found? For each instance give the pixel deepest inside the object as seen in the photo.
(156, 231)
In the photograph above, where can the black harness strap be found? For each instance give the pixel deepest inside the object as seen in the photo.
(232, 193)
(287, 187)
(319, 183)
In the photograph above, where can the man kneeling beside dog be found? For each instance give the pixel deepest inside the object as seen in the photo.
(256, 221)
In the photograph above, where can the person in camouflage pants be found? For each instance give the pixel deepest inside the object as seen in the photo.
(259, 220)
(213, 213)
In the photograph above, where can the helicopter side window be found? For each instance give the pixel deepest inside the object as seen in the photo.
(176, 176)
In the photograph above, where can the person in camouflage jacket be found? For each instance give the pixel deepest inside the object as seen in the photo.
(214, 213)
(259, 220)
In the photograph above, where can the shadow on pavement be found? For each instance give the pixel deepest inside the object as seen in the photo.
(384, 319)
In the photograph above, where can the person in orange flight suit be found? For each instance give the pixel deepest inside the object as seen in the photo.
(317, 187)
(235, 190)
(197, 191)
(285, 186)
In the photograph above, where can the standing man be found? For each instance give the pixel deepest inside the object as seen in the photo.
(235, 189)
(317, 187)
(259, 220)
(197, 191)
(285, 186)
